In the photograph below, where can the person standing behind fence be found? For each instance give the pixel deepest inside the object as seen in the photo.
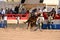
(23, 11)
(4, 18)
(50, 18)
(18, 18)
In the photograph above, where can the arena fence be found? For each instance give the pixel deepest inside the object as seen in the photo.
(12, 18)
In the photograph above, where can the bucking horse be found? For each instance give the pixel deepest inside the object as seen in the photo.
(31, 21)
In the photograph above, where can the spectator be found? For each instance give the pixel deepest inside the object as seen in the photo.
(44, 9)
(23, 11)
(59, 11)
(6, 10)
(3, 11)
(18, 18)
(50, 18)
(53, 11)
(4, 18)
(13, 10)
(17, 9)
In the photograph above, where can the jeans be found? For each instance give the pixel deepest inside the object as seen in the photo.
(5, 23)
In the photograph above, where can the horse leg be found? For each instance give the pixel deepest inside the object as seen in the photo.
(28, 25)
(27, 21)
(31, 25)
(37, 27)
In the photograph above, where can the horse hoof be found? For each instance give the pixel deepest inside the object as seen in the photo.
(41, 30)
(27, 28)
(24, 22)
(35, 30)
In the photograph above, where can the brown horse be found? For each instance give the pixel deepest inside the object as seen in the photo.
(31, 21)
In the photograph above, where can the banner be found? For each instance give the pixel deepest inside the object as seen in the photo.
(51, 2)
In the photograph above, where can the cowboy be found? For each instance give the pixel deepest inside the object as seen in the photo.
(39, 22)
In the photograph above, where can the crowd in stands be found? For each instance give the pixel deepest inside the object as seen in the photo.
(17, 9)
(14, 10)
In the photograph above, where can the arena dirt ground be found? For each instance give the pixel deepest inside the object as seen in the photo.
(24, 34)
